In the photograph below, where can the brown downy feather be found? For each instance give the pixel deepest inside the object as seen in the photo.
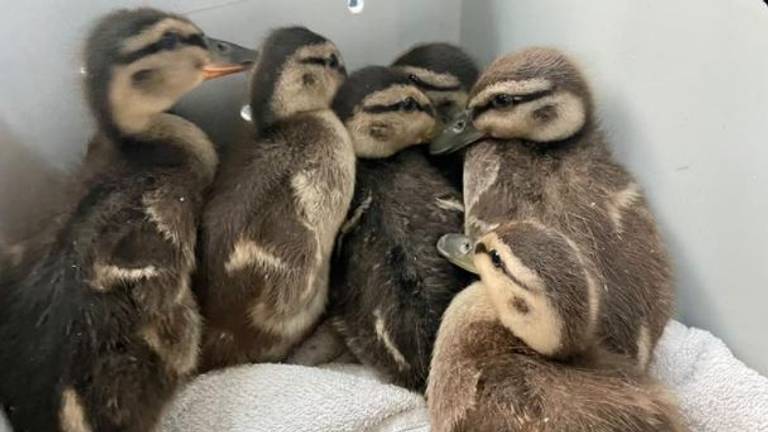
(548, 162)
(281, 195)
(484, 379)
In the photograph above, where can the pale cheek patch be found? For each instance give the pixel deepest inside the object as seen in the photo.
(530, 315)
(134, 106)
(248, 254)
(370, 138)
(567, 116)
(551, 118)
(535, 321)
(383, 336)
(507, 124)
(72, 416)
(383, 135)
(304, 88)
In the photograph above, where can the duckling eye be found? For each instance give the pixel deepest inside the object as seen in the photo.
(413, 78)
(169, 41)
(141, 76)
(333, 62)
(495, 258)
(409, 104)
(502, 101)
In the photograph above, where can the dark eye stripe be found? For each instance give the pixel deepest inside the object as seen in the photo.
(320, 61)
(481, 248)
(519, 99)
(379, 109)
(432, 87)
(156, 47)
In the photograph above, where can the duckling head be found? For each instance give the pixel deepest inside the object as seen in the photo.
(537, 95)
(139, 62)
(298, 71)
(443, 72)
(537, 282)
(384, 112)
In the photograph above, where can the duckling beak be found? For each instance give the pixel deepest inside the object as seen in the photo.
(457, 248)
(227, 58)
(458, 134)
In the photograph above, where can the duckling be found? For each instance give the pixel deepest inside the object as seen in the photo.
(281, 196)
(445, 73)
(389, 286)
(101, 326)
(518, 351)
(537, 153)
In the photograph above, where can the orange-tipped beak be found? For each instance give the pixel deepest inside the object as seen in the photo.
(227, 58)
(216, 71)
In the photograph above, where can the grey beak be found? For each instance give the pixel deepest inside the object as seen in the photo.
(459, 133)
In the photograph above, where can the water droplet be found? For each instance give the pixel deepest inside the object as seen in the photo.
(245, 113)
(355, 6)
(83, 70)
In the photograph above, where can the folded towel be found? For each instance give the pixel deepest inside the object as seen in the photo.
(277, 398)
(716, 392)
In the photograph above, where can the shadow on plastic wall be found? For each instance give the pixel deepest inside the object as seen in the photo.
(30, 189)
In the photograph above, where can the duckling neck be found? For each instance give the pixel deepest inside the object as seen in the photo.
(166, 139)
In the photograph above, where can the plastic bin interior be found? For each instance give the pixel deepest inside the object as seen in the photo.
(682, 88)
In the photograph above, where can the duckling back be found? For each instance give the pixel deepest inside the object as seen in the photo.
(281, 196)
(537, 153)
(389, 287)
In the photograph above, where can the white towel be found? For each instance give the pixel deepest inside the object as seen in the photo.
(717, 393)
(288, 398)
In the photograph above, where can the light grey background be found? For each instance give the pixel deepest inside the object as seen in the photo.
(682, 85)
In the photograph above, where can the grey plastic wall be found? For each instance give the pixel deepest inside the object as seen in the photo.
(683, 89)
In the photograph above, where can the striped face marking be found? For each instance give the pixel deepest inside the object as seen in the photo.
(390, 120)
(154, 69)
(519, 296)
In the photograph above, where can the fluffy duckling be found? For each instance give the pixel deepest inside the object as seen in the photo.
(275, 209)
(445, 73)
(537, 154)
(389, 287)
(99, 330)
(518, 350)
